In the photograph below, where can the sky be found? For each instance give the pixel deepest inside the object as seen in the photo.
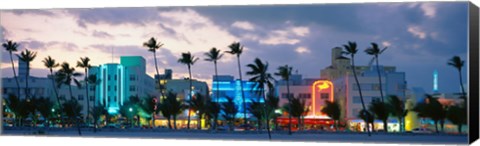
(420, 37)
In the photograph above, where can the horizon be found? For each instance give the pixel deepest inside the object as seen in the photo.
(304, 34)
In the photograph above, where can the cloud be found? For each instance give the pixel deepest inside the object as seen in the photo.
(102, 34)
(291, 35)
(33, 12)
(429, 9)
(302, 50)
(243, 25)
(301, 31)
(417, 32)
(386, 43)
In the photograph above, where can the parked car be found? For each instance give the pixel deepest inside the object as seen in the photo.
(422, 130)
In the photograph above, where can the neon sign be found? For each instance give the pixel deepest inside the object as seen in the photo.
(321, 88)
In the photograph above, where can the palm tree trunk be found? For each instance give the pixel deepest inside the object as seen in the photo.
(218, 95)
(190, 93)
(442, 123)
(27, 90)
(87, 97)
(360, 92)
(379, 79)
(463, 90)
(199, 122)
(15, 76)
(175, 121)
(74, 113)
(459, 126)
(266, 115)
(153, 119)
(289, 109)
(299, 123)
(168, 122)
(56, 93)
(243, 95)
(385, 126)
(436, 126)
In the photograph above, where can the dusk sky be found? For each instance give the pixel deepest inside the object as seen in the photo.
(421, 37)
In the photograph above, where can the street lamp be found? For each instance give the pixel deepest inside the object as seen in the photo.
(130, 109)
(53, 110)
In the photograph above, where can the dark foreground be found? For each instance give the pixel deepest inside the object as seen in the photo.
(256, 136)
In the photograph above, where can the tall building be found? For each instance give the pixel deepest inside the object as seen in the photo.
(341, 66)
(229, 87)
(120, 81)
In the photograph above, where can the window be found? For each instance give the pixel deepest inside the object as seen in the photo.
(108, 88)
(91, 98)
(115, 88)
(80, 97)
(324, 96)
(4, 90)
(356, 99)
(132, 77)
(115, 78)
(92, 88)
(284, 95)
(132, 88)
(109, 77)
(375, 99)
(114, 98)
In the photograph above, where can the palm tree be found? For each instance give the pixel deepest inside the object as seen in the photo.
(164, 108)
(72, 110)
(14, 104)
(198, 105)
(272, 104)
(148, 106)
(44, 106)
(367, 117)
(213, 56)
(332, 109)
(94, 81)
(213, 109)
(297, 108)
(229, 111)
(236, 49)
(176, 106)
(381, 112)
(128, 110)
(457, 116)
(285, 72)
(51, 64)
(397, 109)
(375, 51)
(256, 108)
(457, 62)
(261, 77)
(11, 46)
(84, 63)
(66, 75)
(153, 46)
(27, 57)
(433, 109)
(188, 59)
(351, 49)
(97, 112)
